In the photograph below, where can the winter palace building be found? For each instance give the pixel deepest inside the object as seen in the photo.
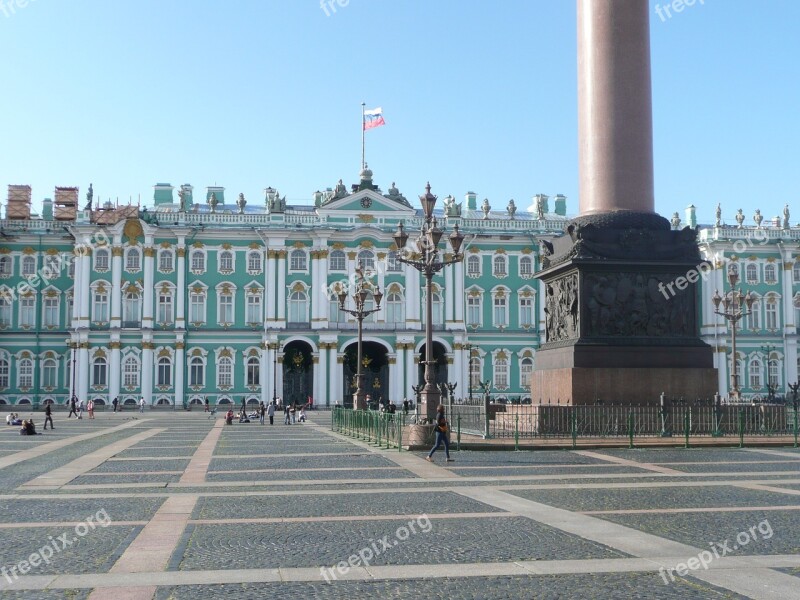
(206, 296)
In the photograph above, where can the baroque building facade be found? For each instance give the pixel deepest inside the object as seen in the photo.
(200, 297)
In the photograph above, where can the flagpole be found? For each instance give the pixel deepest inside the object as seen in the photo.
(363, 131)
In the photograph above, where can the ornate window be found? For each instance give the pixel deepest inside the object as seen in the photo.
(100, 308)
(525, 372)
(499, 266)
(437, 307)
(474, 310)
(738, 374)
(254, 261)
(254, 312)
(475, 372)
(392, 264)
(130, 372)
(796, 272)
(101, 260)
(100, 372)
(753, 320)
(4, 370)
(49, 373)
(197, 306)
(525, 267)
(133, 260)
(335, 315)
(751, 273)
(395, 308)
(225, 306)
(5, 310)
(770, 273)
(197, 261)
(771, 313)
(526, 311)
(774, 373)
(225, 372)
(5, 266)
(298, 261)
(27, 311)
(500, 312)
(25, 373)
(366, 260)
(755, 373)
(253, 371)
(337, 261)
(298, 307)
(197, 371)
(165, 261)
(474, 266)
(164, 377)
(51, 311)
(165, 313)
(226, 261)
(28, 265)
(796, 312)
(131, 305)
(501, 371)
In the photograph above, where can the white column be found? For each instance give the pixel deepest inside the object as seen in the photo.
(269, 364)
(400, 372)
(540, 297)
(86, 279)
(411, 372)
(264, 379)
(116, 286)
(334, 386)
(280, 375)
(180, 301)
(322, 291)
(413, 297)
(180, 366)
(458, 370)
(269, 285)
(147, 292)
(459, 292)
(449, 288)
(319, 382)
(323, 397)
(114, 368)
(147, 372)
(721, 360)
(83, 371)
(315, 288)
(281, 292)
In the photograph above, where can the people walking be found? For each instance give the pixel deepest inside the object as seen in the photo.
(90, 408)
(293, 413)
(286, 415)
(442, 431)
(141, 404)
(115, 403)
(48, 416)
(80, 409)
(208, 405)
(262, 410)
(73, 407)
(271, 412)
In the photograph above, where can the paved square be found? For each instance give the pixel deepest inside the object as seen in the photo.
(175, 505)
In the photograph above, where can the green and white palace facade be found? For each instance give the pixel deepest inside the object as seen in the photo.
(209, 295)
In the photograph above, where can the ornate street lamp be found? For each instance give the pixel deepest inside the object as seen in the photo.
(360, 295)
(426, 260)
(735, 306)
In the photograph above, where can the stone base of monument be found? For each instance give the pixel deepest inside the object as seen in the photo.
(621, 313)
(419, 436)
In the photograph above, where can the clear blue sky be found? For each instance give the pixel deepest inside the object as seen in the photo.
(477, 96)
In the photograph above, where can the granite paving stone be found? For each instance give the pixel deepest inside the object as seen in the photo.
(314, 474)
(300, 462)
(56, 509)
(134, 466)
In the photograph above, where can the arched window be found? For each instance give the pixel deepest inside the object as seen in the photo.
(366, 260)
(27, 311)
(197, 306)
(130, 309)
(165, 314)
(754, 318)
(335, 314)
(25, 373)
(226, 261)
(770, 273)
(395, 308)
(254, 313)
(253, 371)
(101, 260)
(164, 371)
(751, 273)
(774, 373)
(337, 261)
(28, 265)
(5, 310)
(165, 261)
(297, 260)
(525, 372)
(130, 372)
(5, 265)
(771, 313)
(796, 272)
(99, 371)
(526, 312)
(501, 373)
(437, 306)
(755, 373)
(50, 311)
(197, 261)
(254, 261)
(499, 263)
(4, 383)
(298, 307)
(474, 265)
(475, 372)
(739, 376)
(392, 264)
(525, 266)
(225, 372)
(500, 313)
(133, 260)
(49, 373)
(474, 310)
(197, 371)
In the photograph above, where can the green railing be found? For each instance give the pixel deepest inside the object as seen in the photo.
(544, 421)
(385, 430)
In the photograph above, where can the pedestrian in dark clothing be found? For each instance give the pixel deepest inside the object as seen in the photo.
(114, 403)
(244, 407)
(271, 412)
(73, 409)
(286, 415)
(442, 430)
(262, 411)
(48, 416)
(208, 406)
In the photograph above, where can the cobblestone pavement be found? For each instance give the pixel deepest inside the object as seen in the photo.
(204, 510)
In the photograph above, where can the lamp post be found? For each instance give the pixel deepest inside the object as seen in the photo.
(427, 262)
(735, 305)
(360, 295)
(768, 349)
(72, 370)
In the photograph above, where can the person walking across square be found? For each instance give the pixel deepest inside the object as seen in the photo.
(261, 412)
(73, 407)
(442, 429)
(271, 412)
(48, 416)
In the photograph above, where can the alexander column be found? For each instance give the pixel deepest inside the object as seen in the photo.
(614, 332)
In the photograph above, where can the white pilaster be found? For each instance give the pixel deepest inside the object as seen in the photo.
(114, 369)
(459, 293)
(180, 365)
(270, 274)
(411, 372)
(334, 385)
(266, 390)
(282, 293)
(180, 301)
(116, 286)
(148, 292)
(399, 375)
(413, 298)
(86, 279)
(458, 370)
(147, 372)
(83, 371)
(449, 303)
(321, 375)
(318, 379)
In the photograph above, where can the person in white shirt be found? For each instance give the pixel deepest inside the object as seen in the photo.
(141, 404)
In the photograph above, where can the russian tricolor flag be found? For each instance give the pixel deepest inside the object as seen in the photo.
(373, 118)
